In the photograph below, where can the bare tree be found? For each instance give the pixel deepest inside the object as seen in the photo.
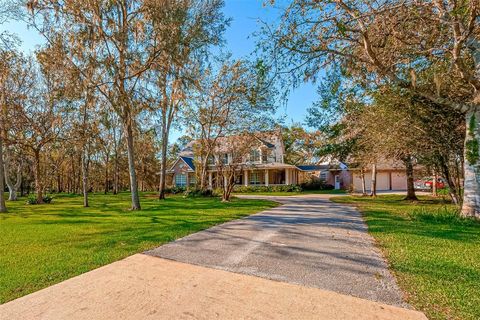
(238, 148)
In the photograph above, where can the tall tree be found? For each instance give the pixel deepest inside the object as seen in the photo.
(189, 29)
(38, 120)
(8, 42)
(231, 99)
(395, 42)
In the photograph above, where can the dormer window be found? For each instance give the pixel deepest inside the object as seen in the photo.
(255, 155)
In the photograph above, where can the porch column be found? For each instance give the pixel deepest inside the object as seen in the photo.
(266, 177)
(210, 180)
(188, 180)
(245, 178)
(287, 176)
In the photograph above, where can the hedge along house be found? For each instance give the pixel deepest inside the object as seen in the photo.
(262, 165)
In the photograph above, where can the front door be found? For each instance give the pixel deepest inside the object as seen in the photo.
(337, 182)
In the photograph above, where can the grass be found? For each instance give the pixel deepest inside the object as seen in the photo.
(434, 254)
(41, 245)
(285, 193)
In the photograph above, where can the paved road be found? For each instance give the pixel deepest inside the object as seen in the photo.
(308, 240)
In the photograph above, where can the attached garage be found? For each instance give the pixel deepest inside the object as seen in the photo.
(399, 180)
(386, 180)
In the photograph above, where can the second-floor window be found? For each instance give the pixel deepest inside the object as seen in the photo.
(225, 158)
(211, 159)
(255, 155)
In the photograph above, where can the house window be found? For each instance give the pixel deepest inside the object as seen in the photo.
(323, 175)
(225, 158)
(255, 155)
(180, 180)
(193, 180)
(254, 178)
(211, 160)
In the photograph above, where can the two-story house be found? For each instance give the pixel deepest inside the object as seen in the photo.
(262, 165)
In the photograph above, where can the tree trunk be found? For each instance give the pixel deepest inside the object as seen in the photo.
(471, 196)
(107, 183)
(115, 175)
(453, 187)
(85, 177)
(434, 184)
(78, 184)
(373, 188)
(59, 182)
(410, 179)
(37, 175)
(3, 207)
(12, 187)
(163, 169)
(364, 185)
(131, 167)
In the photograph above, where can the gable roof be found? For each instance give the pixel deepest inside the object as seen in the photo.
(189, 162)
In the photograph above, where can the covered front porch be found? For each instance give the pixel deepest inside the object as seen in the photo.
(257, 177)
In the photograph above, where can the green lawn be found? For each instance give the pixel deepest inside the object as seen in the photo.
(285, 193)
(44, 244)
(434, 254)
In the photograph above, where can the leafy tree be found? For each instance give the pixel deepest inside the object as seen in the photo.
(300, 145)
(409, 44)
(189, 29)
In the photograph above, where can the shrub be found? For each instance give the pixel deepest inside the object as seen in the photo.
(445, 215)
(47, 199)
(316, 184)
(194, 193)
(175, 190)
(31, 200)
(253, 189)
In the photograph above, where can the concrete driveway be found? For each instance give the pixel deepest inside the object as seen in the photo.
(308, 240)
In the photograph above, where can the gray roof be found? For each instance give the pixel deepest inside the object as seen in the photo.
(313, 167)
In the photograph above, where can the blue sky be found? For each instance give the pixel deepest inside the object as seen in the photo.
(245, 15)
